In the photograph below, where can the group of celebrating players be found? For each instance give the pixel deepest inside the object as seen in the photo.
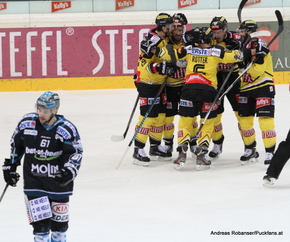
(198, 66)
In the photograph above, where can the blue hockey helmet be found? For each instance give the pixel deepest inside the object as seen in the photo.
(49, 100)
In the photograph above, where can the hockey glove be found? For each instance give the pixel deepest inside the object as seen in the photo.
(11, 177)
(65, 175)
(167, 68)
(231, 44)
(147, 46)
(261, 51)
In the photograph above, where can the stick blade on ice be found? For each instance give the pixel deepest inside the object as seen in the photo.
(117, 138)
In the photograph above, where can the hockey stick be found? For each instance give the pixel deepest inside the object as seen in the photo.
(219, 98)
(143, 120)
(3, 193)
(241, 6)
(252, 35)
(173, 59)
(117, 138)
(260, 33)
(280, 29)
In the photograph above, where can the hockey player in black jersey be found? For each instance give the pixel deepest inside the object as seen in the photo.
(52, 152)
(281, 156)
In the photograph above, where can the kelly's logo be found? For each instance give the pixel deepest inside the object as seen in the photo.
(186, 3)
(121, 4)
(3, 6)
(252, 2)
(57, 6)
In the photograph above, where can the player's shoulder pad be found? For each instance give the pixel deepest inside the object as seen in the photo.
(28, 121)
(187, 49)
(65, 128)
(262, 42)
(30, 116)
(154, 38)
(217, 50)
(233, 35)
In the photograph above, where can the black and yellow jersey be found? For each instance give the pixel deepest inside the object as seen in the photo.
(201, 63)
(144, 71)
(229, 35)
(177, 79)
(260, 74)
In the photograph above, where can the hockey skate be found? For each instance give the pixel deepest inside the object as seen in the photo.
(159, 152)
(168, 149)
(193, 151)
(202, 161)
(140, 157)
(180, 160)
(249, 157)
(216, 151)
(268, 180)
(268, 158)
(168, 146)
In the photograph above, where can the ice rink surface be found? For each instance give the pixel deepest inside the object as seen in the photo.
(155, 203)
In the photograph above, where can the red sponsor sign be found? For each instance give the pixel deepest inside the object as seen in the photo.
(3, 6)
(252, 2)
(121, 4)
(263, 101)
(70, 51)
(57, 6)
(186, 3)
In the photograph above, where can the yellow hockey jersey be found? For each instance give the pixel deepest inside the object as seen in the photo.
(223, 66)
(258, 75)
(177, 79)
(201, 63)
(144, 71)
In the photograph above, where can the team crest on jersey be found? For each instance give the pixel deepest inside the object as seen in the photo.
(63, 132)
(30, 132)
(27, 124)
